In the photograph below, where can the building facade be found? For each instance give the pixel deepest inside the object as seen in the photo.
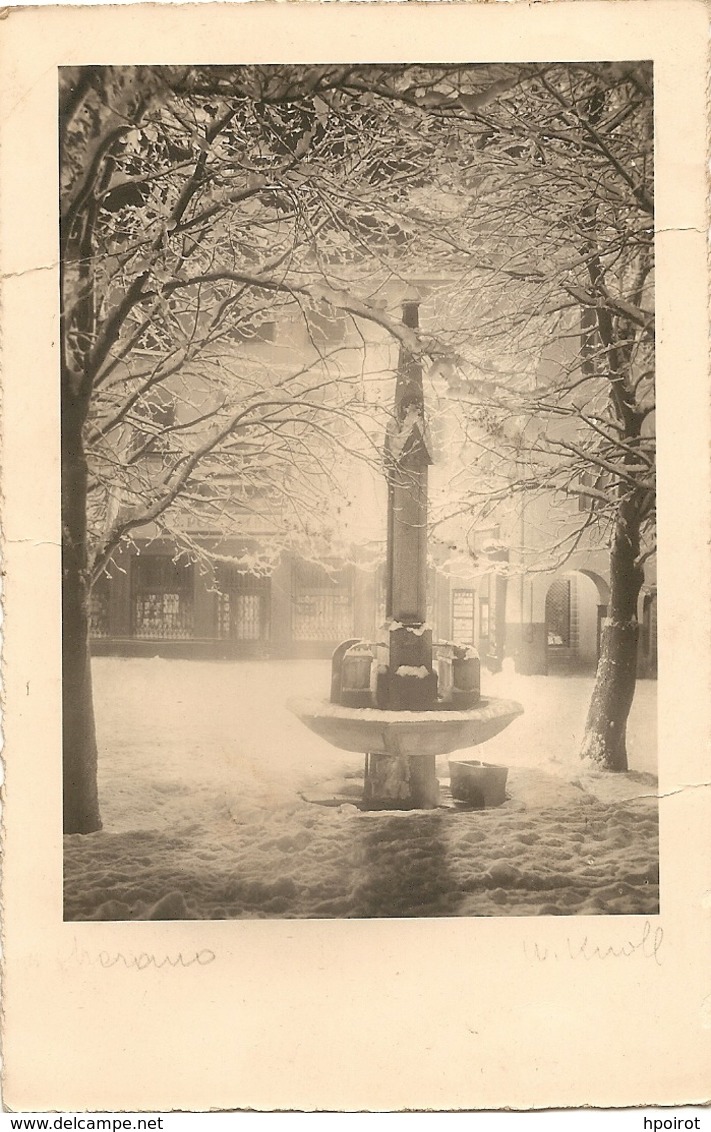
(152, 603)
(157, 598)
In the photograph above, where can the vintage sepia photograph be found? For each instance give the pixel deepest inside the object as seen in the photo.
(354, 413)
(359, 596)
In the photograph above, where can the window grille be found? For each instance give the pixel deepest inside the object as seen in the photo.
(558, 614)
(162, 598)
(240, 617)
(242, 606)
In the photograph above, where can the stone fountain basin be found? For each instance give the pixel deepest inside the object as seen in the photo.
(370, 730)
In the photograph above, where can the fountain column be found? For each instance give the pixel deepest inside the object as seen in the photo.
(408, 682)
(384, 696)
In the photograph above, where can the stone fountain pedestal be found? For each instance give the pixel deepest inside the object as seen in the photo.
(401, 746)
(400, 782)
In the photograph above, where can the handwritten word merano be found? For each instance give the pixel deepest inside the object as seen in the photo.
(146, 959)
(143, 960)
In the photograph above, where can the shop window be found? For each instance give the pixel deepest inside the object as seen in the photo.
(162, 598)
(463, 616)
(242, 606)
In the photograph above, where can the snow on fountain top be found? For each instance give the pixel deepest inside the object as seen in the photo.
(435, 732)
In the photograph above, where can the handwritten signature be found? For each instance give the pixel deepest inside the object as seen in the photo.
(648, 945)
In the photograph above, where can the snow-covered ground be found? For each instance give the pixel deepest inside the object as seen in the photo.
(202, 772)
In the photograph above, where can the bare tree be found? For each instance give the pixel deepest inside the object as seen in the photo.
(199, 206)
(556, 334)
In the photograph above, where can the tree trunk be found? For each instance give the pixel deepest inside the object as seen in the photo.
(604, 740)
(81, 805)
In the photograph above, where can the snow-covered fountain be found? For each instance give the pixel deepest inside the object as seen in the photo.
(401, 701)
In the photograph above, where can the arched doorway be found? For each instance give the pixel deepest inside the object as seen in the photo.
(575, 606)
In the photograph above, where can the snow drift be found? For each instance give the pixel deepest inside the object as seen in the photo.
(201, 780)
